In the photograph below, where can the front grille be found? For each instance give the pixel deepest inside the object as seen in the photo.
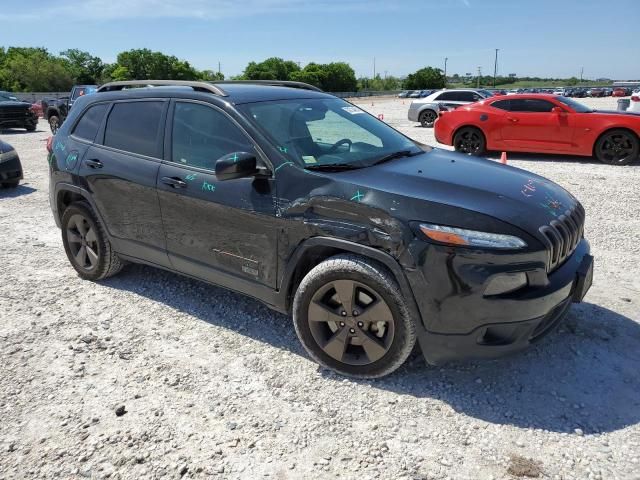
(13, 113)
(562, 235)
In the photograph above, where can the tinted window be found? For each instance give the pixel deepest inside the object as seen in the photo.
(134, 127)
(452, 96)
(468, 97)
(501, 104)
(201, 135)
(90, 122)
(530, 105)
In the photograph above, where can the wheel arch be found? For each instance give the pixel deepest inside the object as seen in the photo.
(468, 125)
(52, 111)
(609, 129)
(65, 195)
(315, 250)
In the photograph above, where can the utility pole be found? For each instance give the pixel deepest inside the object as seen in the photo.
(581, 72)
(374, 67)
(445, 71)
(218, 67)
(495, 69)
(479, 75)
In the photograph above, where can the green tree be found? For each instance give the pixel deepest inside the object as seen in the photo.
(33, 69)
(331, 77)
(143, 64)
(273, 68)
(85, 68)
(210, 76)
(427, 77)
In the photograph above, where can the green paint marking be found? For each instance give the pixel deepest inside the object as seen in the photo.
(191, 176)
(283, 149)
(235, 158)
(208, 187)
(284, 164)
(358, 196)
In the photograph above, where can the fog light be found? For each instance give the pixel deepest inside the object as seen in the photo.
(505, 283)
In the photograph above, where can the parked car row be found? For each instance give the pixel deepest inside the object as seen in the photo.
(415, 93)
(426, 109)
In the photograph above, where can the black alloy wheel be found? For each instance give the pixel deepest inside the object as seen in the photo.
(617, 147)
(351, 322)
(428, 118)
(54, 124)
(83, 242)
(469, 140)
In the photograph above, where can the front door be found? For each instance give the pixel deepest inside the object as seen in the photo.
(221, 231)
(531, 125)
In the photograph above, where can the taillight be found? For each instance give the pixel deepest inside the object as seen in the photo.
(635, 98)
(50, 144)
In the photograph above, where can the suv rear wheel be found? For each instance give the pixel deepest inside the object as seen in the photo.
(86, 243)
(428, 118)
(350, 316)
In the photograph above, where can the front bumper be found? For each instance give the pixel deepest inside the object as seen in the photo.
(10, 167)
(461, 323)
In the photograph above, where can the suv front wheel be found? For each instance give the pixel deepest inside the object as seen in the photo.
(351, 317)
(86, 243)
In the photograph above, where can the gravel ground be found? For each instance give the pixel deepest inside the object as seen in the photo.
(151, 375)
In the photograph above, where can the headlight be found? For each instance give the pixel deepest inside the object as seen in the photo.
(471, 238)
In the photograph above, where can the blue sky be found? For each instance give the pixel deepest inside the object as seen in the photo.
(542, 37)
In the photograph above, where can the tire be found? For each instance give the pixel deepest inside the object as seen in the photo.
(98, 261)
(30, 128)
(469, 140)
(54, 123)
(372, 340)
(617, 147)
(427, 118)
(11, 184)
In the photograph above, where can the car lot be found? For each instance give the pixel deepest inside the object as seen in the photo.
(215, 384)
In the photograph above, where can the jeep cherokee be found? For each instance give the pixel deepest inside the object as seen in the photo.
(304, 201)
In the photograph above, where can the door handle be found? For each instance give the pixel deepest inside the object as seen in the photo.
(93, 163)
(174, 182)
(512, 120)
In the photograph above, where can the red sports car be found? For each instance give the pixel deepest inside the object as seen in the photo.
(541, 124)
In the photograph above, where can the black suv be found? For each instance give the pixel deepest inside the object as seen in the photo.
(309, 204)
(16, 114)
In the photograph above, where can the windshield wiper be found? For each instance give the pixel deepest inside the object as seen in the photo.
(333, 166)
(394, 155)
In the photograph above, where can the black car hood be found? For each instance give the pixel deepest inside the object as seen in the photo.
(509, 194)
(13, 103)
(5, 147)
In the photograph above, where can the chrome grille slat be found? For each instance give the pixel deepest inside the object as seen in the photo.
(562, 236)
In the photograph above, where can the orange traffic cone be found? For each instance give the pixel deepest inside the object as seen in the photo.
(503, 158)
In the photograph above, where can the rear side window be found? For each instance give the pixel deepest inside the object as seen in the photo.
(452, 96)
(90, 122)
(531, 105)
(134, 127)
(468, 97)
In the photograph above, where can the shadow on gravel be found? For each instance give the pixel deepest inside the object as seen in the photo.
(547, 157)
(16, 131)
(19, 191)
(585, 375)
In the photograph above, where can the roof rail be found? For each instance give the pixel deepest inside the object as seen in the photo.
(272, 83)
(196, 85)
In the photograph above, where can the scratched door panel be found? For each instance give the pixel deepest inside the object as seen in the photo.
(214, 226)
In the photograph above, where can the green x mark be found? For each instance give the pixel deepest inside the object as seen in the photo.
(358, 196)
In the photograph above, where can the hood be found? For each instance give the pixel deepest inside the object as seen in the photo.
(5, 147)
(14, 103)
(509, 194)
(616, 112)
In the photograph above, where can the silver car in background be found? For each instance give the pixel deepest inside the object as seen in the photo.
(425, 110)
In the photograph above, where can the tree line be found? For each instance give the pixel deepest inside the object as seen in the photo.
(37, 70)
(27, 69)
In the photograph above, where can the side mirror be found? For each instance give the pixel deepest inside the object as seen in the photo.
(236, 165)
(558, 110)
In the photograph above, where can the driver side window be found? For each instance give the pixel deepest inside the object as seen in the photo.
(202, 134)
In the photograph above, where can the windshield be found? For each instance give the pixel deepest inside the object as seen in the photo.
(577, 106)
(80, 91)
(318, 132)
(486, 93)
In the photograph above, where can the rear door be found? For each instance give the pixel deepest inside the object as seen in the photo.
(221, 231)
(120, 171)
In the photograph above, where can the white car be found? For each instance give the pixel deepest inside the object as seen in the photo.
(559, 92)
(634, 106)
(425, 110)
